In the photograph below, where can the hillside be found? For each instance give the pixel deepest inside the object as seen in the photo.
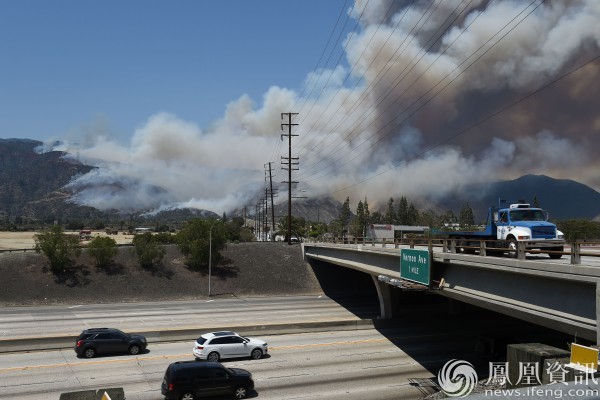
(31, 181)
(563, 198)
(257, 269)
(32, 190)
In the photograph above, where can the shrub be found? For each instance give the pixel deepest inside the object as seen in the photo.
(103, 249)
(148, 250)
(194, 241)
(59, 248)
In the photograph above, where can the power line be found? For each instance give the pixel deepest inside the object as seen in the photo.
(423, 104)
(481, 121)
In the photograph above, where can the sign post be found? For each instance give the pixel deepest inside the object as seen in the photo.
(415, 266)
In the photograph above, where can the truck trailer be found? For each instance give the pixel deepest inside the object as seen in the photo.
(506, 227)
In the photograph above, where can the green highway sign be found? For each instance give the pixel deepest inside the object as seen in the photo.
(415, 266)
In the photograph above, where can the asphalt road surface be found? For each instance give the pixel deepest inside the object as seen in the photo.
(360, 364)
(25, 322)
(397, 362)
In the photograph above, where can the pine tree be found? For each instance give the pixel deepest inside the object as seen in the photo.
(413, 215)
(390, 214)
(403, 211)
(358, 224)
(466, 215)
(344, 215)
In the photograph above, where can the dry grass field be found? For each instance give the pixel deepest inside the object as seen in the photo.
(25, 240)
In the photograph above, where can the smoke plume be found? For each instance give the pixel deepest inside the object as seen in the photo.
(434, 95)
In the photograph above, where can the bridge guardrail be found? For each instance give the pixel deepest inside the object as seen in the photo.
(483, 247)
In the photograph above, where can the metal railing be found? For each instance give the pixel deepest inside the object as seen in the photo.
(482, 247)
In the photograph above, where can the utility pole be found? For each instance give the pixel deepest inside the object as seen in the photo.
(255, 221)
(266, 215)
(272, 206)
(291, 161)
(259, 220)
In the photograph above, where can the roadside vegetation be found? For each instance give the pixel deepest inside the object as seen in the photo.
(201, 240)
(148, 249)
(59, 248)
(103, 250)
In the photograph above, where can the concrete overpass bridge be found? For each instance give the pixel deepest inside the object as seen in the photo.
(559, 294)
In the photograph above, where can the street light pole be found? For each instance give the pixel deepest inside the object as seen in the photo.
(210, 255)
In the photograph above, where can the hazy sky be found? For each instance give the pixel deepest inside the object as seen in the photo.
(395, 98)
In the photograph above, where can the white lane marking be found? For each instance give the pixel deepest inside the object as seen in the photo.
(76, 306)
(209, 301)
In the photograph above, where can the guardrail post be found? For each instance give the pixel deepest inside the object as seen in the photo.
(444, 245)
(412, 243)
(453, 246)
(482, 248)
(521, 250)
(575, 253)
(397, 243)
(383, 242)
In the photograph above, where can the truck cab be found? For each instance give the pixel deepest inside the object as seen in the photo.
(521, 222)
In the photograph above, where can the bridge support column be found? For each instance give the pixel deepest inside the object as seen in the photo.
(384, 293)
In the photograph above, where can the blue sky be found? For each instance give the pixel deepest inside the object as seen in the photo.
(69, 64)
(421, 99)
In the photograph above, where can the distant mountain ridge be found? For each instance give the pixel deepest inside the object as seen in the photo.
(562, 198)
(28, 176)
(32, 185)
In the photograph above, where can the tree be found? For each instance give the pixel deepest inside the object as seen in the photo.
(376, 217)
(103, 249)
(148, 250)
(195, 239)
(412, 215)
(358, 226)
(233, 229)
(344, 215)
(466, 215)
(246, 235)
(59, 248)
(297, 227)
(430, 218)
(536, 203)
(403, 211)
(390, 214)
(367, 213)
(579, 229)
(317, 229)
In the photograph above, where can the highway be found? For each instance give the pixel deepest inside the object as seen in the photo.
(70, 320)
(361, 364)
(396, 362)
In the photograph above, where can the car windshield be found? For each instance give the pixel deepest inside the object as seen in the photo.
(527, 215)
(201, 340)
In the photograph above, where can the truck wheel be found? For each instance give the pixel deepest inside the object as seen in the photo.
(513, 248)
(558, 253)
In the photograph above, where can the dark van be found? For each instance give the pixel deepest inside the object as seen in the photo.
(188, 380)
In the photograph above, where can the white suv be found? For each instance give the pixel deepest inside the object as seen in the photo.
(226, 344)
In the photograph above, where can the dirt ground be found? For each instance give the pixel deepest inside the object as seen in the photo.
(255, 269)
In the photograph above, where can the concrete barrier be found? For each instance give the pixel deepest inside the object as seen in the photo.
(175, 335)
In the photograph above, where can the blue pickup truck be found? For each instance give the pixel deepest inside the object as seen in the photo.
(505, 227)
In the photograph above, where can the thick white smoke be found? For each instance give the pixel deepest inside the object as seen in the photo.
(415, 121)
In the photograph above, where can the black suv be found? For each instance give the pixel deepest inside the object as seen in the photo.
(188, 380)
(108, 340)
